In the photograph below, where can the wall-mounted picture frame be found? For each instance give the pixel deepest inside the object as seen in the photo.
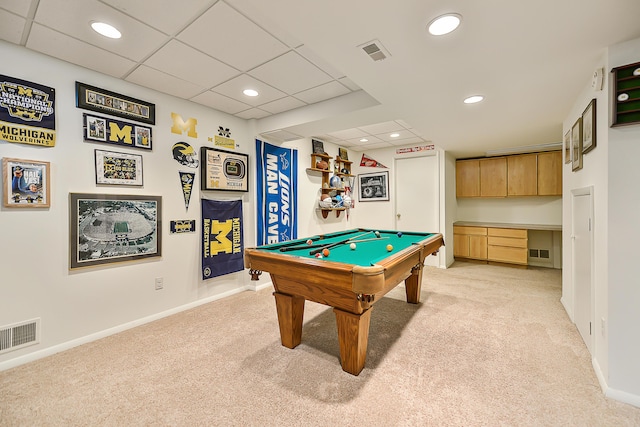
(373, 187)
(589, 127)
(26, 183)
(223, 170)
(114, 168)
(111, 228)
(343, 153)
(112, 103)
(567, 147)
(110, 131)
(576, 145)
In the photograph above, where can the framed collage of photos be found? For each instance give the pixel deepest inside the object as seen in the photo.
(116, 132)
(26, 183)
(104, 101)
(223, 170)
(110, 228)
(118, 168)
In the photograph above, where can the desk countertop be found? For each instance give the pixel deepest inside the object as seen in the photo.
(547, 227)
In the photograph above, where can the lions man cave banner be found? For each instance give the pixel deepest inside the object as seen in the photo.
(277, 189)
(222, 243)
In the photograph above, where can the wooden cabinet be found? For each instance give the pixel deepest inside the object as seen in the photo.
(493, 177)
(550, 173)
(470, 242)
(468, 178)
(522, 175)
(507, 245)
(626, 95)
(536, 174)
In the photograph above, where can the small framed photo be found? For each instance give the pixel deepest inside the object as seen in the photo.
(373, 186)
(118, 168)
(26, 183)
(567, 146)
(223, 170)
(109, 228)
(576, 145)
(589, 127)
(343, 153)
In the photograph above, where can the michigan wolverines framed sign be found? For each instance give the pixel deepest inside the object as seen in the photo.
(104, 101)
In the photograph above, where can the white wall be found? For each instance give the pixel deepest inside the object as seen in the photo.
(76, 306)
(529, 210)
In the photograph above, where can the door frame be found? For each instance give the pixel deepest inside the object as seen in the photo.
(584, 191)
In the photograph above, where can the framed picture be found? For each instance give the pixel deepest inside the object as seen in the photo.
(223, 170)
(104, 101)
(26, 183)
(567, 146)
(576, 145)
(589, 127)
(109, 228)
(373, 186)
(118, 168)
(317, 146)
(343, 153)
(116, 132)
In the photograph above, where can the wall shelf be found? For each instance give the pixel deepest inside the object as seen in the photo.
(626, 95)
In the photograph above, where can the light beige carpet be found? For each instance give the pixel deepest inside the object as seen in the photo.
(487, 346)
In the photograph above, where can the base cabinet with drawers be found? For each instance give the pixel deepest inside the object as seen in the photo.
(504, 245)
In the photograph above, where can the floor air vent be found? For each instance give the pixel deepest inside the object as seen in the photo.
(18, 335)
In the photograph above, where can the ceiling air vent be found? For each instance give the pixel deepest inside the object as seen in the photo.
(375, 50)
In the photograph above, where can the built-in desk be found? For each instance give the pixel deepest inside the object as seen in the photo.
(499, 242)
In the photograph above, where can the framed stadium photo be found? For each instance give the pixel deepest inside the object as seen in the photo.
(118, 168)
(25, 183)
(223, 170)
(110, 228)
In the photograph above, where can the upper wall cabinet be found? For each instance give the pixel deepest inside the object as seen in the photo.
(537, 174)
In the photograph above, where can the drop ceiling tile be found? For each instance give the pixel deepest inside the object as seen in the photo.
(12, 27)
(225, 34)
(349, 83)
(404, 134)
(370, 140)
(319, 62)
(282, 104)
(188, 64)
(19, 7)
(290, 73)
(281, 135)
(220, 102)
(322, 93)
(73, 17)
(234, 87)
(167, 16)
(247, 8)
(348, 134)
(53, 43)
(379, 128)
(375, 146)
(406, 141)
(163, 82)
(253, 113)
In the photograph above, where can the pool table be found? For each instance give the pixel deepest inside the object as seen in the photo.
(349, 280)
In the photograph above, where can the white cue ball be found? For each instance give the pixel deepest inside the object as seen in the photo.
(353, 246)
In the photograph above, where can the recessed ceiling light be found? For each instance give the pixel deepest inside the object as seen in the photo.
(394, 135)
(106, 30)
(364, 140)
(444, 24)
(473, 99)
(250, 92)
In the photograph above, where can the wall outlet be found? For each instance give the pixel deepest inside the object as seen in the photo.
(159, 283)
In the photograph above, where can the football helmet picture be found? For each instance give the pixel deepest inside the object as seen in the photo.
(184, 154)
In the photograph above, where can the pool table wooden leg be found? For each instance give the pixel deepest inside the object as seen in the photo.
(413, 284)
(353, 336)
(290, 314)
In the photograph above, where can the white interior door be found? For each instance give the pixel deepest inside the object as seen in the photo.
(417, 196)
(581, 262)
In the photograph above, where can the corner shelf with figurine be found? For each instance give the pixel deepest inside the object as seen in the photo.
(335, 195)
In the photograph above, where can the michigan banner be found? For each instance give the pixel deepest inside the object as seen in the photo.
(222, 243)
(27, 112)
(277, 189)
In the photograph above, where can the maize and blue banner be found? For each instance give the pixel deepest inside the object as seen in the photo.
(277, 190)
(222, 242)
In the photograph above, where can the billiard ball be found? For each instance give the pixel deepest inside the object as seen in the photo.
(309, 242)
(377, 233)
(389, 248)
(353, 246)
(318, 255)
(325, 252)
(399, 233)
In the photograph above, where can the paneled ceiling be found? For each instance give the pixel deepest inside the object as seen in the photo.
(529, 59)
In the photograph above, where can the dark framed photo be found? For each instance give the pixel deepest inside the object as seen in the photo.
(223, 170)
(116, 132)
(343, 153)
(589, 127)
(118, 168)
(110, 228)
(567, 146)
(576, 145)
(317, 146)
(104, 101)
(26, 183)
(373, 187)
